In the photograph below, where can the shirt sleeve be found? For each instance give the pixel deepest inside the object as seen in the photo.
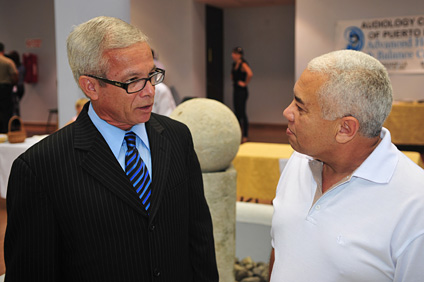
(409, 266)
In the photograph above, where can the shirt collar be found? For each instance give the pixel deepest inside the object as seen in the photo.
(378, 167)
(140, 131)
(381, 163)
(113, 135)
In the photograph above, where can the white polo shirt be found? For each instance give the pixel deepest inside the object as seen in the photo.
(370, 227)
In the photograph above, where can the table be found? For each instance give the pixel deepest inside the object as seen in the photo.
(406, 123)
(8, 153)
(415, 157)
(259, 166)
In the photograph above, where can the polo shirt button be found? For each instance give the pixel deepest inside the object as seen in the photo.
(156, 272)
(317, 207)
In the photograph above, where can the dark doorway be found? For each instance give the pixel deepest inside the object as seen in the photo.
(214, 53)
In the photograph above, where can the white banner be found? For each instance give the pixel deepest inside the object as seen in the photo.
(398, 42)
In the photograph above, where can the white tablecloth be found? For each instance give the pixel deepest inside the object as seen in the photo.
(253, 226)
(8, 153)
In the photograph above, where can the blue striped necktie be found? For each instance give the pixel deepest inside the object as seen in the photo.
(136, 171)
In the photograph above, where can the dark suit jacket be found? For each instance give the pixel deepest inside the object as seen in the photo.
(73, 215)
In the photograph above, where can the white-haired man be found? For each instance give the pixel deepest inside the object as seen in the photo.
(116, 195)
(349, 205)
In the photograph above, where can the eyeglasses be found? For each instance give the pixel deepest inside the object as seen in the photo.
(155, 77)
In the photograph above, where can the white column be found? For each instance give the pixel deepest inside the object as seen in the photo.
(67, 15)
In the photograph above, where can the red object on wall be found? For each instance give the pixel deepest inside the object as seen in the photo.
(31, 68)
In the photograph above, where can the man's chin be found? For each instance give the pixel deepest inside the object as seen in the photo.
(142, 116)
(294, 145)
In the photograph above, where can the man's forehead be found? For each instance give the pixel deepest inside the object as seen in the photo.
(307, 85)
(312, 77)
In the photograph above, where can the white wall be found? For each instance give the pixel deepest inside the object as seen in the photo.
(176, 30)
(315, 32)
(68, 14)
(21, 20)
(267, 36)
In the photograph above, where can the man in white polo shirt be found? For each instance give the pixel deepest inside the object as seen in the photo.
(349, 205)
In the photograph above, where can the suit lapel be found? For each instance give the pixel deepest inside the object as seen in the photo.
(160, 149)
(100, 162)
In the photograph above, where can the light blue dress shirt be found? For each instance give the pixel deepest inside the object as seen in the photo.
(114, 137)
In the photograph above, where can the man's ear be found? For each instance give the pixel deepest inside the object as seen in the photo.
(348, 128)
(89, 86)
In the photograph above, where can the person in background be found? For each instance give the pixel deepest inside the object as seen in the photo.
(79, 104)
(8, 78)
(118, 194)
(349, 205)
(19, 87)
(241, 74)
(164, 101)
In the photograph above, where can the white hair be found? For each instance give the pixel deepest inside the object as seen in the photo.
(87, 42)
(356, 85)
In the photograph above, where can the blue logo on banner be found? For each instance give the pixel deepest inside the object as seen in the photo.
(355, 38)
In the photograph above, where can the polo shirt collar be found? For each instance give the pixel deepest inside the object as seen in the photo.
(381, 163)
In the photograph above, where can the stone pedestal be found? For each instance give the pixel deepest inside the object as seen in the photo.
(216, 139)
(220, 194)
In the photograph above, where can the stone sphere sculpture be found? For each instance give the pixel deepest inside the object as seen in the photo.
(215, 130)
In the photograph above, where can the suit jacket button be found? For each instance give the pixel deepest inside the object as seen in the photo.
(152, 227)
(156, 272)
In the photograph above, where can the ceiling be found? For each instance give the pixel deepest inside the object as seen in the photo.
(245, 3)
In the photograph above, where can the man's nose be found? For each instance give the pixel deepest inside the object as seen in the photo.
(288, 112)
(148, 90)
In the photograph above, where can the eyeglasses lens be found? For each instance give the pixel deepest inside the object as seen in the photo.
(136, 86)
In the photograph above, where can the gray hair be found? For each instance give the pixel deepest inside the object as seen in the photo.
(87, 42)
(356, 85)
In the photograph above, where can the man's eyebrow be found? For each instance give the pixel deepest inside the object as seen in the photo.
(137, 74)
(300, 101)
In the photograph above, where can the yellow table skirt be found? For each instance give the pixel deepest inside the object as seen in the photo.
(258, 169)
(415, 157)
(406, 123)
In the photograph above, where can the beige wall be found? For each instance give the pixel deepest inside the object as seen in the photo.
(177, 35)
(267, 36)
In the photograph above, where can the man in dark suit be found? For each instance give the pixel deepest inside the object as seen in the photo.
(73, 212)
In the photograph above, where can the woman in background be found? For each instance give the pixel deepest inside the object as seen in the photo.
(241, 74)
